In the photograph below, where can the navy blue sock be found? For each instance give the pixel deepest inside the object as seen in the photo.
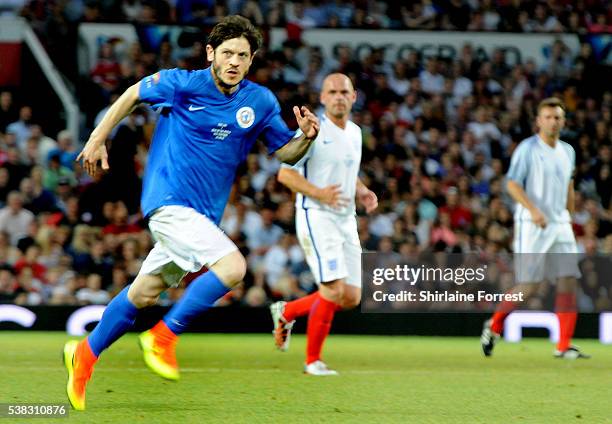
(117, 319)
(201, 295)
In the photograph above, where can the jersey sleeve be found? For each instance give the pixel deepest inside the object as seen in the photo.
(572, 156)
(519, 164)
(275, 130)
(160, 89)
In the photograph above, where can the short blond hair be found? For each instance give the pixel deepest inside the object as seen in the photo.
(551, 102)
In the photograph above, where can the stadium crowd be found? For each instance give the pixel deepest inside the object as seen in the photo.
(437, 138)
(472, 15)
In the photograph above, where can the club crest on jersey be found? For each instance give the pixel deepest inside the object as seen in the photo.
(245, 116)
(332, 264)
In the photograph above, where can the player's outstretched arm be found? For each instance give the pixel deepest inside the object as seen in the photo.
(295, 149)
(518, 194)
(366, 197)
(95, 148)
(330, 195)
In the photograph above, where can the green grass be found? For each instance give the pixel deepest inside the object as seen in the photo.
(242, 379)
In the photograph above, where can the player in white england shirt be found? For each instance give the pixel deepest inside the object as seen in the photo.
(326, 182)
(540, 180)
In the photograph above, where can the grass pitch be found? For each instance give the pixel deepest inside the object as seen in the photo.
(242, 379)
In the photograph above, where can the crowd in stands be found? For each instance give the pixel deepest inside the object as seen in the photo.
(437, 138)
(460, 15)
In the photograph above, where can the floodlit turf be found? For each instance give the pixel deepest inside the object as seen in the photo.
(241, 378)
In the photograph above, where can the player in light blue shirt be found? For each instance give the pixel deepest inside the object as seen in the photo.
(208, 122)
(540, 181)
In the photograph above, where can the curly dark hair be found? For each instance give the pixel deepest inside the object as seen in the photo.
(235, 26)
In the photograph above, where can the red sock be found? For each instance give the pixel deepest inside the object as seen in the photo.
(319, 323)
(84, 361)
(565, 308)
(85, 354)
(299, 307)
(162, 333)
(503, 310)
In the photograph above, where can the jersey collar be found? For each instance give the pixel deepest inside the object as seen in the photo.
(214, 91)
(545, 144)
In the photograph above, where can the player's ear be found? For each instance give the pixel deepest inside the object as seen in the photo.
(252, 57)
(210, 53)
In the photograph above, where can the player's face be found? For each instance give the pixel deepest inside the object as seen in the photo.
(338, 96)
(231, 61)
(551, 120)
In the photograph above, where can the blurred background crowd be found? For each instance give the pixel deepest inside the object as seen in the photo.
(460, 15)
(437, 138)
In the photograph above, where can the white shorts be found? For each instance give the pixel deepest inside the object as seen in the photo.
(544, 253)
(331, 245)
(185, 241)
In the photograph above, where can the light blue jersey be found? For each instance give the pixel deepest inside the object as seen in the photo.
(545, 173)
(202, 136)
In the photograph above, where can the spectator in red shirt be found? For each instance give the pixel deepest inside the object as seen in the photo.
(460, 216)
(119, 222)
(31, 260)
(107, 72)
(441, 230)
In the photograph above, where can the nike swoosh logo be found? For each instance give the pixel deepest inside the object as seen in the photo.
(176, 322)
(327, 141)
(193, 108)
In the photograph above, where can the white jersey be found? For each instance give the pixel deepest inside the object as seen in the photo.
(333, 158)
(545, 173)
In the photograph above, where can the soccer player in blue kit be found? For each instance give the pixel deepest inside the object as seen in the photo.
(209, 119)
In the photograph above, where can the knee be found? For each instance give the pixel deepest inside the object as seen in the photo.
(139, 297)
(238, 272)
(528, 290)
(350, 302)
(567, 285)
(333, 291)
(351, 298)
(232, 269)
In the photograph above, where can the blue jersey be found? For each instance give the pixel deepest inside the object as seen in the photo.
(202, 136)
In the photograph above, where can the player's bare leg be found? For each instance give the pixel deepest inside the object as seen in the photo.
(351, 297)
(145, 290)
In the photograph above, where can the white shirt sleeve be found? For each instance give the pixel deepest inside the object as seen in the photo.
(519, 164)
